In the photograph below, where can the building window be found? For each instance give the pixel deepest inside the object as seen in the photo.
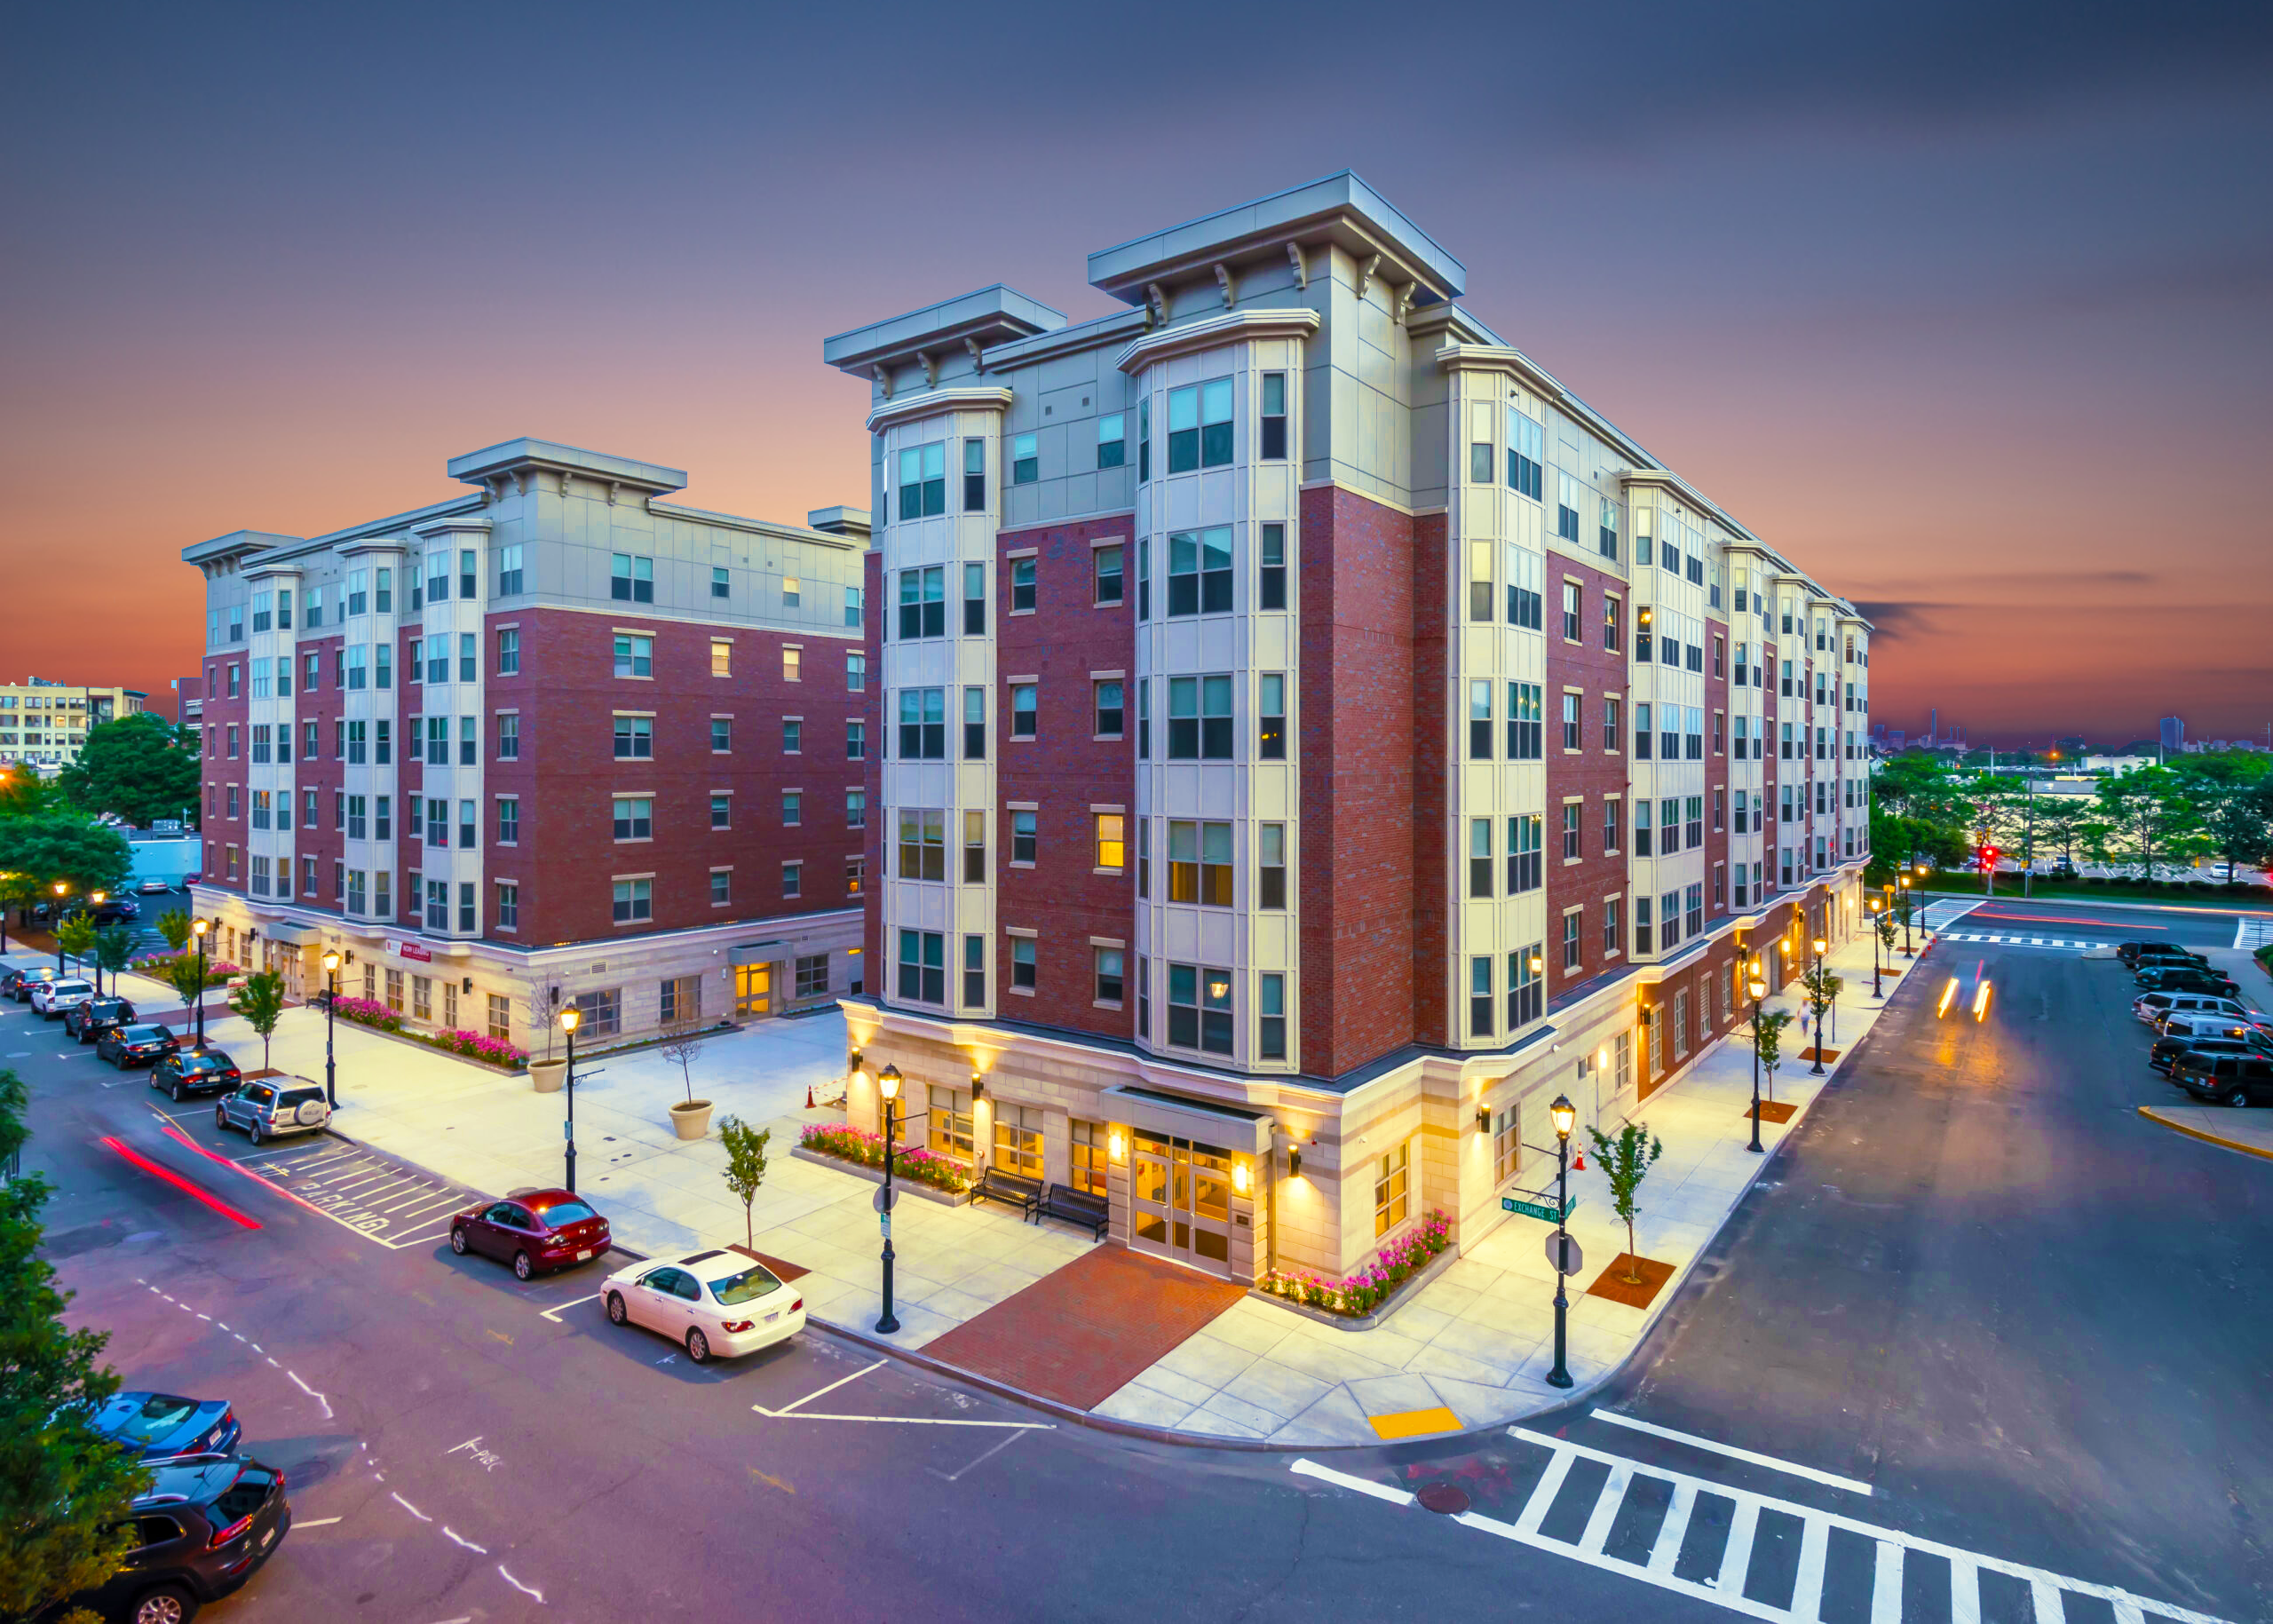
(856, 880)
(922, 723)
(1612, 923)
(1570, 830)
(1570, 607)
(922, 843)
(856, 809)
(1570, 741)
(1026, 839)
(1479, 857)
(632, 579)
(1199, 1008)
(1525, 454)
(1523, 860)
(1026, 710)
(1573, 954)
(1392, 1194)
(856, 673)
(1641, 832)
(509, 658)
(856, 740)
(1480, 1000)
(1022, 585)
(923, 481)
(793, 808)
(1271, 580)
(1526, 990)
(1109, 836)
(1200, 863)
(922, 603)
(722, 887)
(793, 665)
(974, 724)
(635, 901)
(1270, 1016)
(635, 737)
(1113, 439)
(1200, 572)
(1107, 701)
(1526, 727)
(852, 605)
(1106, 563)
(1641, 925)
(1025, 459)
(722, 657)
(1272, 448)
(1025, 964)
(1270, 719)
(508, 819)
(1111, 985)
(793, 735)
(974, 972)
(1271, 864)
(509, 738)
(600, 1014)
(1091, 1158)
(722, 735)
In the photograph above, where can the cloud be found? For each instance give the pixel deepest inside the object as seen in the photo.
(1892, 621)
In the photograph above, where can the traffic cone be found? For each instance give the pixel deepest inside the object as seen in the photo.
(809, 1097)
(1579, 1162)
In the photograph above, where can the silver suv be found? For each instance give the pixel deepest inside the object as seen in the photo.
(272, 1106)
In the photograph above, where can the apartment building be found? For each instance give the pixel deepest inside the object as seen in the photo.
(555, 739)
(1314, 739)
(44, 723)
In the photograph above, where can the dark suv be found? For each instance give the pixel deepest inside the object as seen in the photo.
(89, 1020)
(2167, 977)
(2139, 954)
(2233, 1041)
(205, 1525)
(2233, 1080)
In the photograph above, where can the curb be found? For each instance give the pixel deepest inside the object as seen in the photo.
(2157, 1118)
(2136, 907)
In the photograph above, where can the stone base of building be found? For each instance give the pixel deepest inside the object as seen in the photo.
(629, 988)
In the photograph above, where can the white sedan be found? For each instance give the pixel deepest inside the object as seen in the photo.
(52, 998)
(719, 1304)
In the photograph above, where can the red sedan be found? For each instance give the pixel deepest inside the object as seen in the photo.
(534, 1229)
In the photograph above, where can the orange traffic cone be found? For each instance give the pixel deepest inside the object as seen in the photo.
(1579, 1162)
(809, 1097)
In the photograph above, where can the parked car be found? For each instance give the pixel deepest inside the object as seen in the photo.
(2187, 978)
(2149, 1007)
(2168, 958)
(534, 1229)
(50, 999)
(154, 887)
(2234, 1080)
(89, 1020)
(717, 1304)
(189, 880)
(18, 984)
(2130, 953)
(125, 1046)
(202, 1528)
(164, 1426)
(266, 1109)
(183, 1072)
(2206, 1039)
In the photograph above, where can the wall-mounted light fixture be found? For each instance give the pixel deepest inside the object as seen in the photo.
(1240, 1178)
(1293, 1162)
(977, 1085)
(1116, 1146)
(466, 985)
(1483, 1119)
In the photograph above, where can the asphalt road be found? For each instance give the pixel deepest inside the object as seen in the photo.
(2026, 1321)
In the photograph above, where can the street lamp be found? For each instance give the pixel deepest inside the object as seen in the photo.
(888, 1085)
(1565, 1115)
(330, 1016)
(571, 1018)
(198, 927)
(96, 897)
(1815, 997)
(1905, 917)
(57, 925)
(1875, 992)
(1757, 986)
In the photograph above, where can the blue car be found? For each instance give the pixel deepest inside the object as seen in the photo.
(163, 1426)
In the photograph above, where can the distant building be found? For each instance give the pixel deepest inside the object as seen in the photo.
(44, 723)
(2116, 766)
(2174, 732)
(189, 709)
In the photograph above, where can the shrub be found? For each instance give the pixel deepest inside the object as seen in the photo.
(908, 1161)
(473, 1045)
(1362, 1292)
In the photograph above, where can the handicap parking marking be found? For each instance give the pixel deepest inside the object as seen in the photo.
(339, 1183)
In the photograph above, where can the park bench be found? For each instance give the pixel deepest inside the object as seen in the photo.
(1075, 1206)
(1012, 1189)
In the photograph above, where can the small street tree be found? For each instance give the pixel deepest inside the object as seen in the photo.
(1883, 922)
(745, 1165)
(1767, 1034)
(174, 926)
(114, 947)
(1625, 1162)
(261, 1002)
(64, 1492)
(75, 936)
(185, 977)
(1821, 986)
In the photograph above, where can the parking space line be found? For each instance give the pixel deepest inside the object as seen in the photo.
(554, 1312)
(831, 1388)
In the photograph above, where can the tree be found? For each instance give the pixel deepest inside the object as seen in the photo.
(2060, 822)
(134, 768)
(682, 1043)
(2148, 815)
(261, 1002)
(76, 935)
(39, 850)
(2241, 823)
(114, 947)
(186, 977)
(1767, 1033)
(24, 794)
(64, 1492)
(1625, 1163)
(1822, 986)
(543, 1006)
(1883, 922)
(745, 1165)
(174, 926)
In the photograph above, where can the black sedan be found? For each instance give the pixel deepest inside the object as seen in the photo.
(163, 1426)
(2232, 1079)
(185, 1071)
(89, 1020)
(2237, 1041)
(139, 1045)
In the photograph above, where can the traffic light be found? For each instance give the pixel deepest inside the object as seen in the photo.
(1986, 858)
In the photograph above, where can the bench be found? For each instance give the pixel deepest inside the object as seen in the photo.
(1075, 1206)
(1012, 1189)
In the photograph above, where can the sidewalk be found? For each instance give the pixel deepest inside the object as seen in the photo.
(2249, 1132)
(1471, 1349)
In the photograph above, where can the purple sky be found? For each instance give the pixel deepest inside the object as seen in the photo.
(1967, 310)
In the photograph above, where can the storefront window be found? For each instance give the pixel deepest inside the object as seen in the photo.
(1392, 1194)
(1017, 1140)
(1091, 1150)
(950, 1122)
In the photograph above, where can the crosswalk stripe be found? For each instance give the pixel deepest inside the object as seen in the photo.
(2045, 1597)
(1886, 1585)
(1606, 1504)
(1807, 1590)
(1965, 1592)
(1736, 1556)
(1666, 1551)
(1534, 1510)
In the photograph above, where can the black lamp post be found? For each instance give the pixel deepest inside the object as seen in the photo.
(56, 923)
(1905, 917)
(198, 927)
(1758, 988)
(1875, 992)
(1816, 997)
(1565, 1115)
(571, 1018)
(330, 1016)
(888, 1086)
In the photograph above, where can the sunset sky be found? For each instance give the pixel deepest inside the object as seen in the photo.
(1968, 308)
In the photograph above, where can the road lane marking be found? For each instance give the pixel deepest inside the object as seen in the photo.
(983, 1459)
(554, 1314)
(453, 1533)
(1326, 1474)
(1793, 1468)
(824, 1391)
(310, 1392)
(517, 1584)
(313, 1522)
(407, 1506)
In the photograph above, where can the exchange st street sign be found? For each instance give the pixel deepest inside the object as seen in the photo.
(1538, 1206)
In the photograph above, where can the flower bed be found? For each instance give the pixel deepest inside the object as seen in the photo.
(868, 1149)
(159, 967)
(473, 1045)
(1363, 1292)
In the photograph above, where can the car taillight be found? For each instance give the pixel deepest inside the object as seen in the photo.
(735, 1327)
(222, 1536)
(798, 1307)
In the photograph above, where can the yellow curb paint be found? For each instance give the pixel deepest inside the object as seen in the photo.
(1414, 1423)
(2152, 1115)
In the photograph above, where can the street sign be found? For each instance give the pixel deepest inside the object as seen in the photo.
(1538, 1206)
(1572, 1260)
(884, 1199)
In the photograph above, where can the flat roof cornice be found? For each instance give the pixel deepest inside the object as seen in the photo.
(965, 397)
(1232, 327)
(992, 316)
(512, 455)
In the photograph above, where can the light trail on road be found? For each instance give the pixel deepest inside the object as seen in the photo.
(167, 1175)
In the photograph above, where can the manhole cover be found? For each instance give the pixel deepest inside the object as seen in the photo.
(1443, 1499)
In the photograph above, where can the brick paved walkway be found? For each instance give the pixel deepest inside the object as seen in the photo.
(1080, 1335)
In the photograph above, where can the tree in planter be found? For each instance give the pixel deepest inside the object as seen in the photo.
(745, 1165)
(682, 1043)
(1625, 1162)
(64, 1493)
(1767, 1033)
(114, 948)
(261, 1002)
(544, 1015)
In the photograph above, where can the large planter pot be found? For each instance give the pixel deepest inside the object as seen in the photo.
(545, 1076)
(691, 1120)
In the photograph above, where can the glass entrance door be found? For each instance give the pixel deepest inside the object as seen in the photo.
(1180, 1198)
(753, 989)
